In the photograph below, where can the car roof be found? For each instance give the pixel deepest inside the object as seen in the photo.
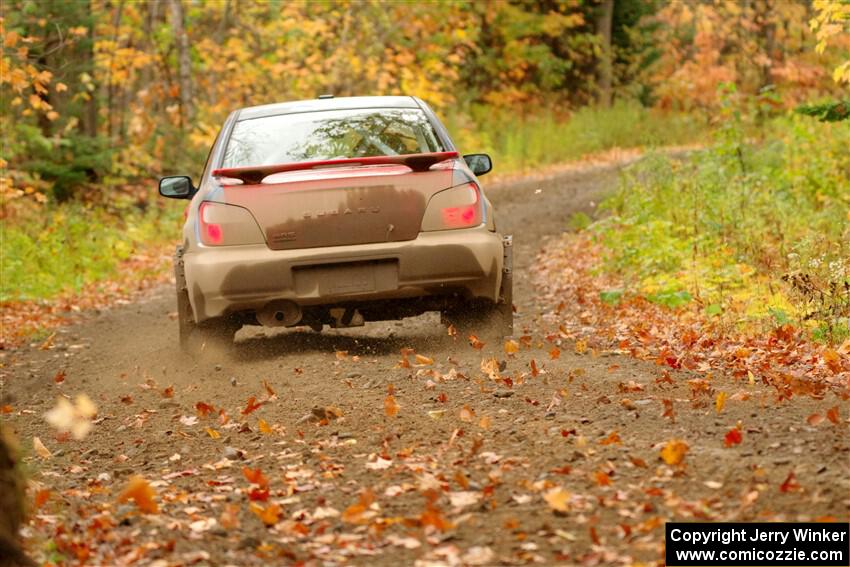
(319, 104)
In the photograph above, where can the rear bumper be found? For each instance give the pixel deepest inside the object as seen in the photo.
(231, 279)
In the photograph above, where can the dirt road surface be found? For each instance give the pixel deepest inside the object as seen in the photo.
(487, 465)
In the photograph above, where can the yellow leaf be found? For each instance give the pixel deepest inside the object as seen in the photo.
(485, 422)
(40, 449)
(213, 433)
(422, 360)
(557, 499)
(674, 451)
(752, 379)
(511, 347)
(720, 401)
(263, 426)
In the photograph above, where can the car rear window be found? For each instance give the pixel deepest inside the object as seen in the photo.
(310, 136)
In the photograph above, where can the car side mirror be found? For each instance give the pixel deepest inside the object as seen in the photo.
(478, 163)
(176, 187)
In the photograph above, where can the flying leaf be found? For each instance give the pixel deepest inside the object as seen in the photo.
(555, 353)
(60, 377)
(674, 451)
(511, 347)
(168, 392)
(74, 418)
(213, 433)
(422, 360)
(602, 478)
(814, 419)
(139, 491)
(475, 343)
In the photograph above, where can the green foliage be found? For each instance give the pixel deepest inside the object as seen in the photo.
(69, 246)
(755, 230)
(834, 111)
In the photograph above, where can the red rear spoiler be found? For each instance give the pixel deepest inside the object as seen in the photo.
(255, 174)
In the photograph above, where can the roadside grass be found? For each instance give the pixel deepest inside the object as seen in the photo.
(62, 248)
(757, 232)
(519, 142)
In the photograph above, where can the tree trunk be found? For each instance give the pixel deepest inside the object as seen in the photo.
(184, 63)
(605, 71)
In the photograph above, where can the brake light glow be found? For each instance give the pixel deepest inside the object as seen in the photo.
(464, 215)
(211, 233)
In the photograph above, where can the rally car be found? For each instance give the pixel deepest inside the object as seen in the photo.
(334, 212)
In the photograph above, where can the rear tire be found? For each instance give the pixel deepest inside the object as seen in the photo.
(196, 339)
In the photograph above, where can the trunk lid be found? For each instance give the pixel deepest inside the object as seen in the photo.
(339, 205)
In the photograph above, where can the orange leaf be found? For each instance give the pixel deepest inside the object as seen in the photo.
(269, 389)
(139, 491)
(6, 409)
(534, 370)
(466, 414)
(602, 478)
(251, 406)
(733, 437)
(354, 513)
(555, 353)
(475, 343)
(612, 438)
(814, 419)
(674, 451)
(40, 498)
(264, 427)
(60, 377)
(268, 515)
(832, 360)
(168, 392)
(832, 415)
(255, 476)
(422, 360)
(485, 422)
(390, 406)
(203, 409)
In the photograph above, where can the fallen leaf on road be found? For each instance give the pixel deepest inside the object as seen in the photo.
(475, 343)
(268, 515)
(557, 499)
(790, 483)
(466, 414)
(40, 449)
(674, 451)
(720, 402)
(422, 360)
(511, 347)
(833, 415)
(251, 406)
(733, 437)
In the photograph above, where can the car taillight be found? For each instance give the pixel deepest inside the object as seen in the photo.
(227, 225)
(458, 207)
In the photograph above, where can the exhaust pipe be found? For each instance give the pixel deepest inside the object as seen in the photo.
(282, 313)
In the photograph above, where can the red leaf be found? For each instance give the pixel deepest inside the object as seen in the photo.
(733, 437)
(251, 406)
(790, 484)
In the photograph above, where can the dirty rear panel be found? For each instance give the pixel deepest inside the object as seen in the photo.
(339, 206)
